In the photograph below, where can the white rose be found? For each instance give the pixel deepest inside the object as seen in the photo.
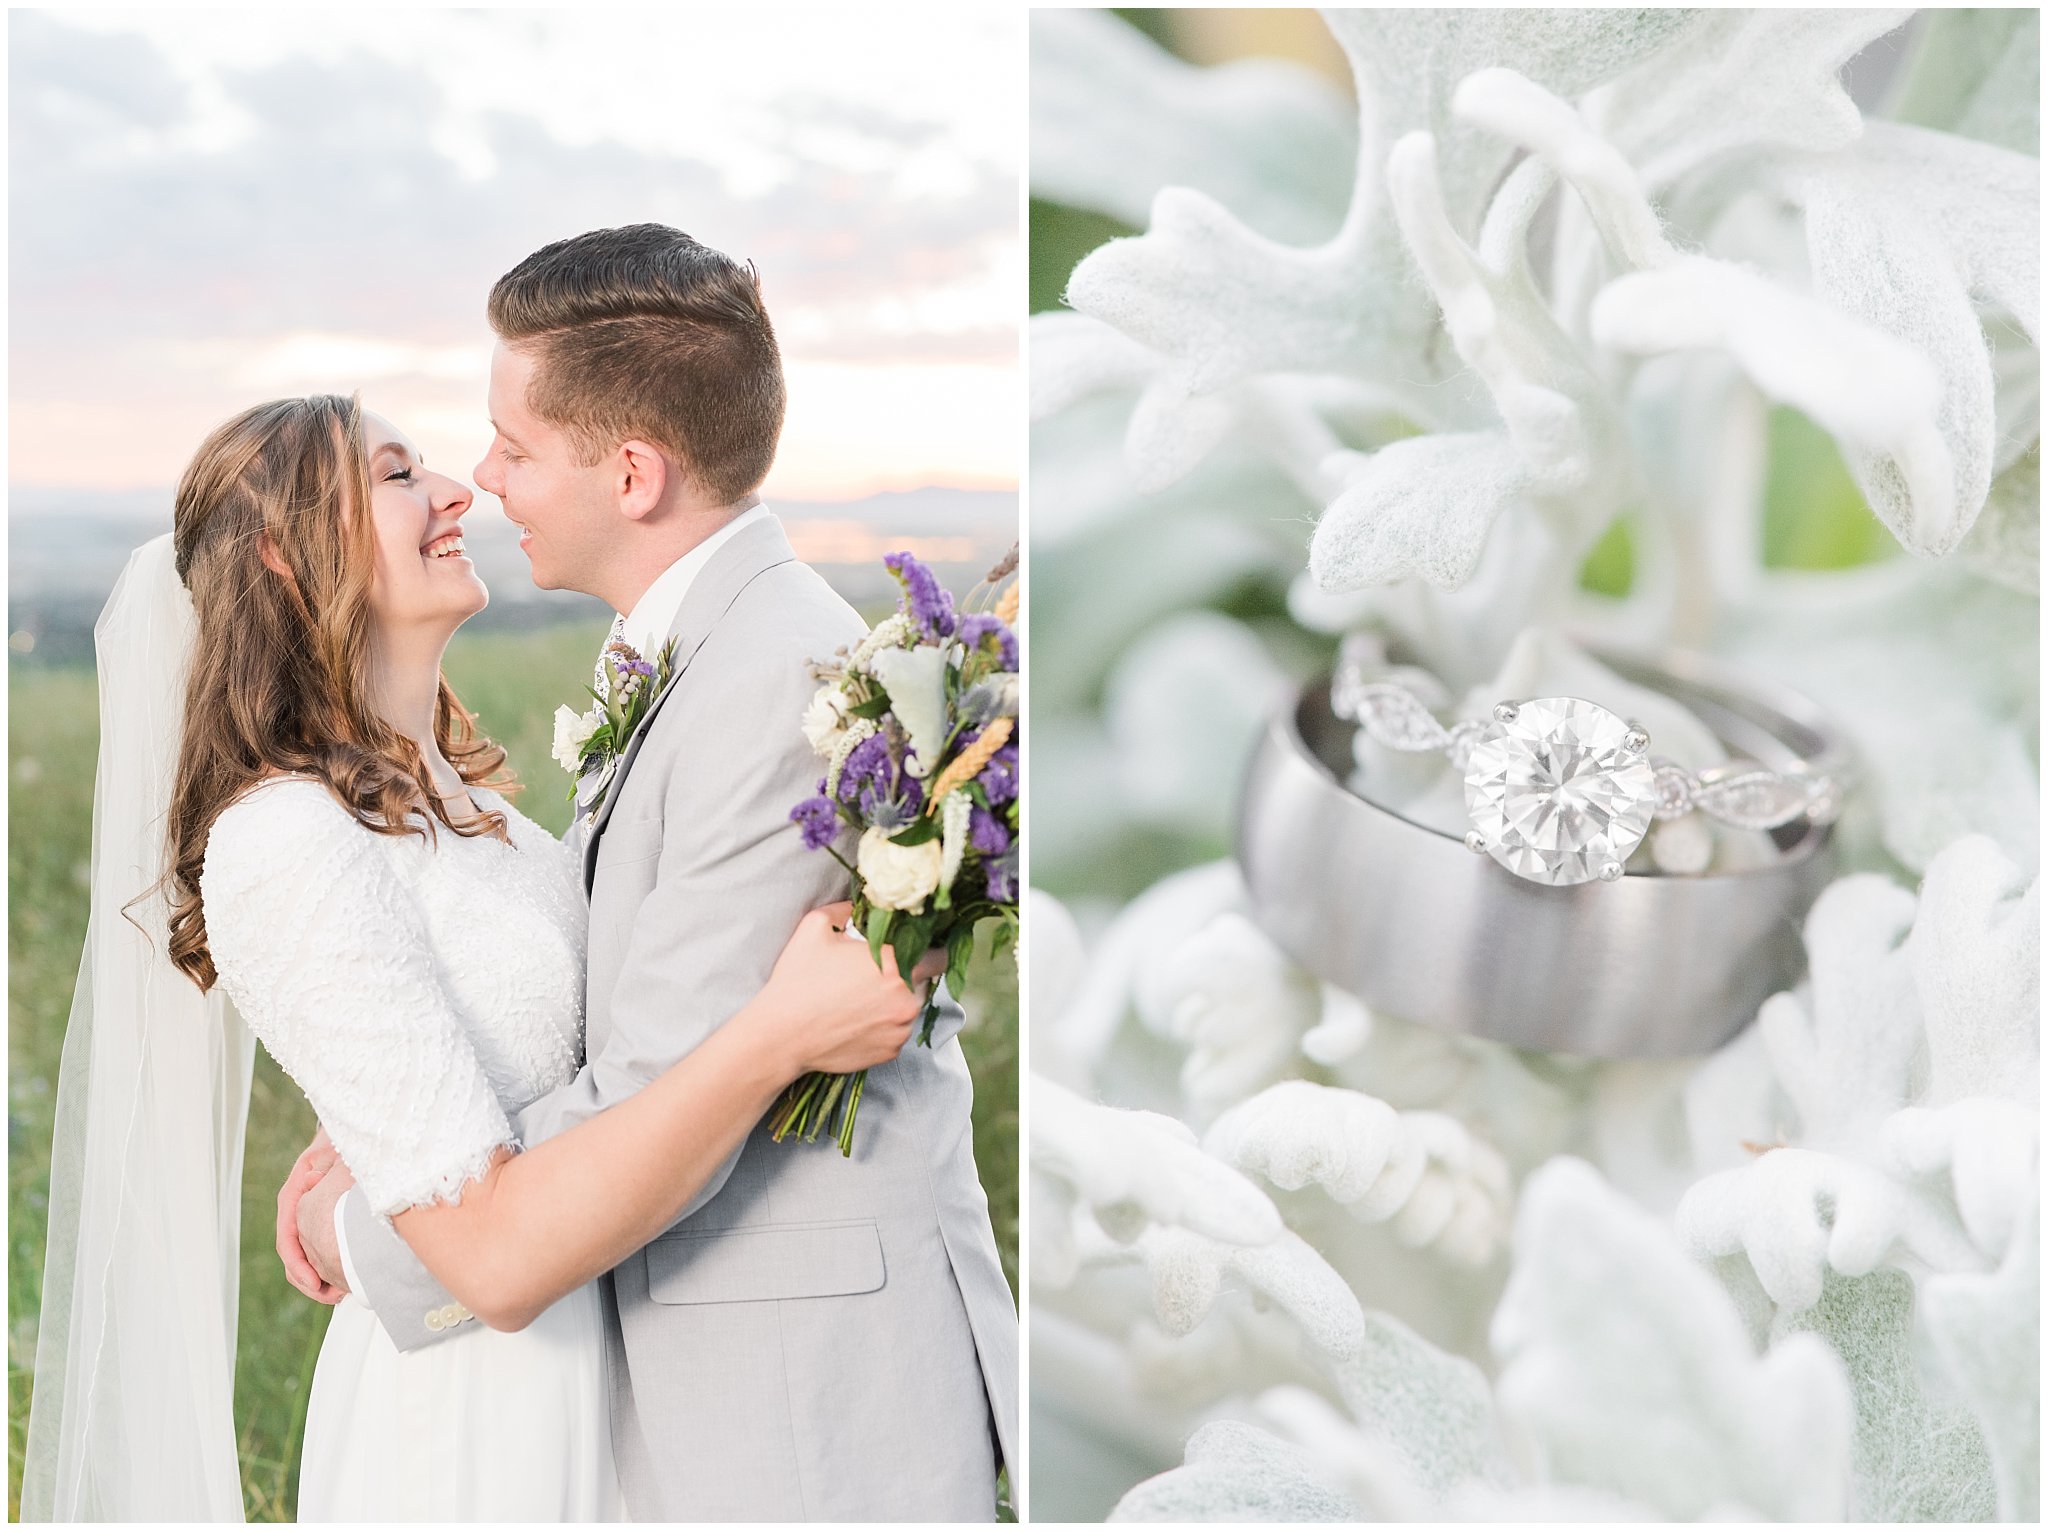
(898, 876)
(824, 719)
(572, 737)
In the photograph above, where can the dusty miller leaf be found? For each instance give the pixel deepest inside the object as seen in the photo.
(1625, 1369)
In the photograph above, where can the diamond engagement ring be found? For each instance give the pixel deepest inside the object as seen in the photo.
(1542, 942)
(1561, 791)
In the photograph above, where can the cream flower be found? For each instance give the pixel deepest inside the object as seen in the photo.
(890, 633)
(825, 719)
(898, 876)
(955, 811)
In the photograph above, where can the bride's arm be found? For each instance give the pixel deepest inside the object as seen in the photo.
(541, 1223)
(320, 945)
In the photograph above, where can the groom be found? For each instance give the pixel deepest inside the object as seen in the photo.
(818, 1338)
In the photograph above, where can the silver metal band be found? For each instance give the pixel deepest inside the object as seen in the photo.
(1406, 918)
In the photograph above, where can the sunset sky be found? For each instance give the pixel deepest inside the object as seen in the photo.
(209, 209)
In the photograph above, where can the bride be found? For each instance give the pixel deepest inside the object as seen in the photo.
(293, 811)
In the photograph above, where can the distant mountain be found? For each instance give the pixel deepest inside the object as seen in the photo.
(66, 547)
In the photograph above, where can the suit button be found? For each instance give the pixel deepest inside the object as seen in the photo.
(462, 1314)
(434, 1319)
(452, 1315)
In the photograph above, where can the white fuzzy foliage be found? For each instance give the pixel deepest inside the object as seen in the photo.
(1878, 396)
(1136, 1172)
(1238, 1472)
(1625, 1367)
(1892, 1065)
(1436, 1182)
(1920, 1453)
(1236, 1001)
(1183, 707)
(1268, 139)
(1188, 1270)
(1420, 507)
(1987, 1331)
(1568, 268)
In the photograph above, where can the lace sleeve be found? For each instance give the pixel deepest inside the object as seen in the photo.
(318, 942)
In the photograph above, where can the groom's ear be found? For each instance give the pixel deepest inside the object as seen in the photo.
(643, 478)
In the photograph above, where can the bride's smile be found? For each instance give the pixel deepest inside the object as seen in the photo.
(424, 577)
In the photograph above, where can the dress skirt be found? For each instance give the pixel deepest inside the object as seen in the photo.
(480, 1426)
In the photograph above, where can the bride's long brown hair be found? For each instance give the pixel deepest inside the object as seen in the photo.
(280, 666)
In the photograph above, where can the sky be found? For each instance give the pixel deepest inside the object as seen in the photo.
(208, 209)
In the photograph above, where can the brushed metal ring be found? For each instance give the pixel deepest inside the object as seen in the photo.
(1406, 918)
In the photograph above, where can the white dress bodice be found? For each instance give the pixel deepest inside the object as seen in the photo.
(419, 991)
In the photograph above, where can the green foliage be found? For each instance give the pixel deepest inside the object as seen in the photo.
(1610, 569)
(513, 681)
(1814, 515)
(1060, 236)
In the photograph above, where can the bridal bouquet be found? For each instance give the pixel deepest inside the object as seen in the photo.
(918, 728)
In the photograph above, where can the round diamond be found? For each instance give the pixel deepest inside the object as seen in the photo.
(1556, 793)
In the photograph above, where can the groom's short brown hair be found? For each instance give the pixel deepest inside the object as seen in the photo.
(642, 331)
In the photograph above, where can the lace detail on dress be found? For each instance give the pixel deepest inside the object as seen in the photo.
(419, 991)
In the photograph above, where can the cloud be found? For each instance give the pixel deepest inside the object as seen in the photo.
(130, 222)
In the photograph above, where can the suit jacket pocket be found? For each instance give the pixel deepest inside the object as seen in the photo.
(765, 1264)
(634, 840)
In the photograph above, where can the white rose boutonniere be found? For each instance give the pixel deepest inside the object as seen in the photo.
(573, 731)
(595, 741)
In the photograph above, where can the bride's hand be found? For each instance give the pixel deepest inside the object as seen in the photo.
(311, 1167)
(838, 1011)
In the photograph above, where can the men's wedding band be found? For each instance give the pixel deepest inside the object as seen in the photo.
(1414, 924)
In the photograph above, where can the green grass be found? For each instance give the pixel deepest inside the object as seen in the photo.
(513, 681)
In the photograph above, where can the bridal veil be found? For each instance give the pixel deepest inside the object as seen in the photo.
(133, 1412)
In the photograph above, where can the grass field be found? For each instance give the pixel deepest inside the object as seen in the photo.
(514, 682)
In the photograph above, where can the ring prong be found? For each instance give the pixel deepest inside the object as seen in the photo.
(1504, 712)
(1637, 739)
(1610, 871)
(1475, 842)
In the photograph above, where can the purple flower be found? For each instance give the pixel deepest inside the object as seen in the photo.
(1001, 872)
(987, 833)
(818, 819)
(875, 783)
(925, 601)
(891, 805)
(999, 777)
(867, 760)
(977, 628)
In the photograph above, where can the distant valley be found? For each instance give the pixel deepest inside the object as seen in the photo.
(66, 548)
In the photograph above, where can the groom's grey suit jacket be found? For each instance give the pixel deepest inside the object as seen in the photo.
(817, 1338)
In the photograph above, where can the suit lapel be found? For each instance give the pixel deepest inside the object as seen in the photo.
(732, 568)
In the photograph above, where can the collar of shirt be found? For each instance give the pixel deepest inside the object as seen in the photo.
(647, 624)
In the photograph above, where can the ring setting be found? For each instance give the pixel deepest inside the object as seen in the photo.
(1561, 791)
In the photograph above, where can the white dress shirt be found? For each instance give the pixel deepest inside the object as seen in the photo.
(647, 624)
(646, 628)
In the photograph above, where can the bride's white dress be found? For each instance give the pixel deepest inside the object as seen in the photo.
(420, 992)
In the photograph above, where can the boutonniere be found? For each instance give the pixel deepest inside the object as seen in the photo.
(593, 741)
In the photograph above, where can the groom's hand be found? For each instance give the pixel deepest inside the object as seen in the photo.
(306, 1175)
